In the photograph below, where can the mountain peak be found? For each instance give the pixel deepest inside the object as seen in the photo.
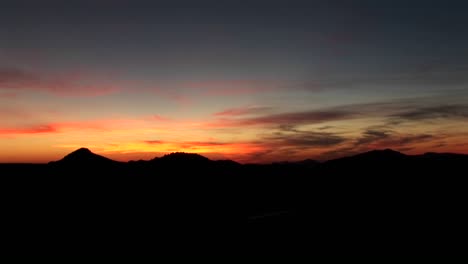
(383, 152)
(82, 151)
(182, 158)
(84, 156)
(381, 155)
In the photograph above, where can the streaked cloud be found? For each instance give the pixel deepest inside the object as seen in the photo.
(434, 112)
(289, 118)
(371, 135)
(70, 126)
(372, 138)
(288, 135)
(34, 129)
(305, 139)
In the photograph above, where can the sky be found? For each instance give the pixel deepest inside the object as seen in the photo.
(252, 81)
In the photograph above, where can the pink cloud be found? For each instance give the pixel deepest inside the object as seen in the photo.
(12, 77)
(36, 129)
(159, 118)
(61, 127)
(62, 84)
(104, 125)
(8, 95)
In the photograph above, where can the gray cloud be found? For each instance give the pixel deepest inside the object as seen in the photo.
(296, 118)
(391, 113)
(314, 140)
(389, 138)
(378, 138)
(435, 112)
(290, 136)
(370, 136)
(291, 118)
(407, 139)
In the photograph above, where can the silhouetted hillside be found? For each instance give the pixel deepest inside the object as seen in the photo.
(183, 158)
(84, 156)
(378, 201)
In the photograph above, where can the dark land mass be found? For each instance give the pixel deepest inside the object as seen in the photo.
(377, 202)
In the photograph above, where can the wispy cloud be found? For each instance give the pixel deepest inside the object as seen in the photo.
(290, 118)
(282, 144)
(407, 140)
(305, 139)
(34, 129)
(385, 110)
(63, 127)
(374, 138)
(371, 135)
(380, 138)
(434, 112)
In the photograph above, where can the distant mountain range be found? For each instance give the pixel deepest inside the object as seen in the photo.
(84, 156)
(378, 201)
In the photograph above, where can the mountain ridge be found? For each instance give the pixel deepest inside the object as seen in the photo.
(371, 201)
(86, 155)
(83, 156)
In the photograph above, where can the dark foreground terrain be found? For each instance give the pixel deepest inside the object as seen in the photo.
(375, 202)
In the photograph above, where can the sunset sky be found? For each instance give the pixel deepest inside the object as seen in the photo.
(252, 81)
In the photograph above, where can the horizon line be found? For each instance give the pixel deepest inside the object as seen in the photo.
(242, 163)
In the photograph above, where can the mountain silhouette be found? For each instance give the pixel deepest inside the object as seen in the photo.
(182, 158)
(84, 156)
(386, 155)
(381, 154)
(377, 201)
